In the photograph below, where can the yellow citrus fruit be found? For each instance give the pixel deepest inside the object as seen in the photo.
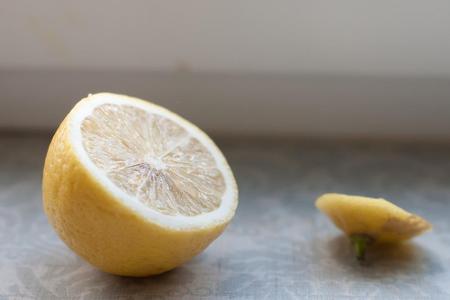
(368, 220)
(133, 188)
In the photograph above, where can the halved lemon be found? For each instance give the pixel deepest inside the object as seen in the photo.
(133, 188)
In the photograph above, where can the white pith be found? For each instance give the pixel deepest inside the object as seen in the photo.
(218, 215)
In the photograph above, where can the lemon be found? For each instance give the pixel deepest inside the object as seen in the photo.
(133, 188)
(367, 220)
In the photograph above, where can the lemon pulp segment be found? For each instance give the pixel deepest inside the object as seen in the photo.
(154, 159)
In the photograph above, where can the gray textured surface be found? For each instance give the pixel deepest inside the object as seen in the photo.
(278, 246)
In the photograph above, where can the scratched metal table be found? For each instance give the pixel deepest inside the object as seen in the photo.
(278, 246)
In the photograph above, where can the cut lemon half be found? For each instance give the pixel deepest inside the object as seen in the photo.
(134, 188)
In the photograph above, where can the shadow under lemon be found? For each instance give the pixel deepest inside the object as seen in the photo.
(179, 282)
(383, 259)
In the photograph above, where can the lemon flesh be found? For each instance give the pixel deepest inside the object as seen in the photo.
(133, 188)
(377, 219)
(153, 159)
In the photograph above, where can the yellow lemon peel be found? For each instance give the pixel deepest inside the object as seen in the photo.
(368, 220)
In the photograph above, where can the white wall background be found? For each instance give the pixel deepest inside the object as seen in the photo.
(235, 66)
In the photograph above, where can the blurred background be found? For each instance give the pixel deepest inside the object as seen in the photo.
(351, 68)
